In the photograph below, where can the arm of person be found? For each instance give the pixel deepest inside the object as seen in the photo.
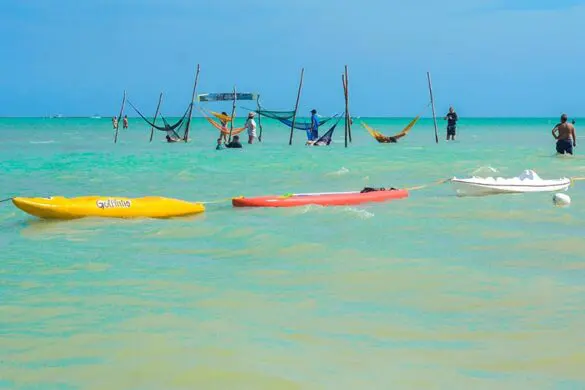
(574, 135)
(554, 132)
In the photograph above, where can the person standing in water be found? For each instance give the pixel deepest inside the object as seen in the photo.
(220, 144)
(235, 144)
(125, 122)
(115, 122)
(224, 128)
(564, 133)
(251, 127)
(313, 133)
(451, 119)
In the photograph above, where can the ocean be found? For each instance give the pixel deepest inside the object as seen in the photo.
(433, 291)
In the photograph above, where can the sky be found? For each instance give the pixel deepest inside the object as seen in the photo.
(488, 58)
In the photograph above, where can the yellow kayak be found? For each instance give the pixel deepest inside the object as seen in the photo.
(59, 207)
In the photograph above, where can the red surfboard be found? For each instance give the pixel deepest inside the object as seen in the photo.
(321, 199)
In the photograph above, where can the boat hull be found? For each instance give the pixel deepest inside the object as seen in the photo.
(465, 187)
(321, 199)
(107, 207)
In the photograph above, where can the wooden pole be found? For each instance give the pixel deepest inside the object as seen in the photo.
(186, 136)
(259, 120)
(292, 126)
(233, 113)
(343, 82)
(433, 107)
(155, 115)
(347, 103)
(120, 117)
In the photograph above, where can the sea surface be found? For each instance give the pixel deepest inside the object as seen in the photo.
(431, 292)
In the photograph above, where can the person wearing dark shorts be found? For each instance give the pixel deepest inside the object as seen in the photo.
(564, 146)
(564, 133)
(451, 119)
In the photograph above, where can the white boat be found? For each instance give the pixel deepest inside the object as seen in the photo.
(528, 181)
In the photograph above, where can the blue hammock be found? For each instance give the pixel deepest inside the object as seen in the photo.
(306, 125)
(325, 139)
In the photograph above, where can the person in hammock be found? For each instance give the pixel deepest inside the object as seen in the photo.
(171, 135)
(390, 139)
(224, 128)
(172, 139)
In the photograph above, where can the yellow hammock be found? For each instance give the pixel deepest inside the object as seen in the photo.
(218, 126)
(221, 117)
(392, 139)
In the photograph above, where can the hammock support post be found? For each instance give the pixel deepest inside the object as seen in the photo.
(155, 115)
(347, 104)
(292, 127)
(233, 113)
(120, 117)
(433, 107)
(345, 113)
(186, 136)
(259, 116)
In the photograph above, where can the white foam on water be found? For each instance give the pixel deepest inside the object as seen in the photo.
(484, 170)
(341, 171)
(360, 213)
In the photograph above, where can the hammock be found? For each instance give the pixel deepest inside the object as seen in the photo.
(307, 125)
(278, 115)
(167, 128)
(285, 118)
(218, 126)
(222, 117)
(325, 139)
(392, 139)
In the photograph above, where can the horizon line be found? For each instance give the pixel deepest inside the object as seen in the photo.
(300, 116)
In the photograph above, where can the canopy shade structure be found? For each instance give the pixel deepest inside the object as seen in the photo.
(226, 97)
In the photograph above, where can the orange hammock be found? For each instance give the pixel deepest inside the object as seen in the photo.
(392, 139)
(218, 126)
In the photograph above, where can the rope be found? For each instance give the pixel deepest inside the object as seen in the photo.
(5, 200)
(428, 185)
(221, 200)
(574, 179)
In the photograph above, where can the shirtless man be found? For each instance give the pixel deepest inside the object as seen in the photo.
(564, 133)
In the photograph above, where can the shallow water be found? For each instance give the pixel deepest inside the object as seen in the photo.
(434, 291)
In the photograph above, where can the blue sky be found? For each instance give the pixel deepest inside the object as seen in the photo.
(487, 57)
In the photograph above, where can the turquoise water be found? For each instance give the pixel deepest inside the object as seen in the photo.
(434, 291)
